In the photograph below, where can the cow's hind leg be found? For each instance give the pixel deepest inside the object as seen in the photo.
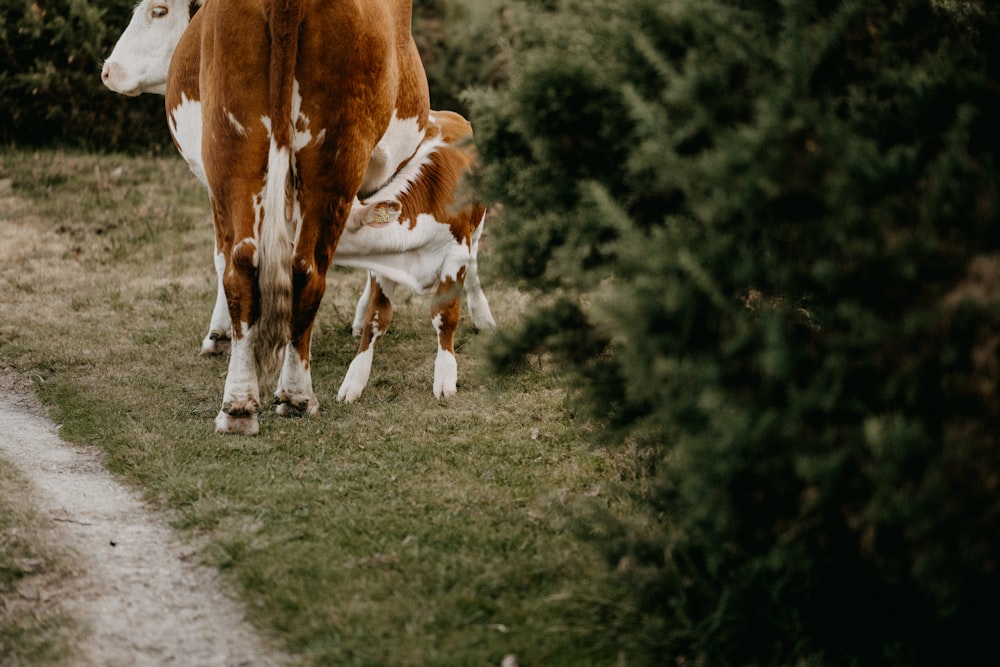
(378, 316)
(444, 315)
(240, 403)
(241, 397)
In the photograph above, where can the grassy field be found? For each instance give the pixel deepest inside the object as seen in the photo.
(399, 530)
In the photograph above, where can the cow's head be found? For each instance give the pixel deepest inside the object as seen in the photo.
(141, 58)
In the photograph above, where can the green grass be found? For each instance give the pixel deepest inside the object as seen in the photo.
(399, 530)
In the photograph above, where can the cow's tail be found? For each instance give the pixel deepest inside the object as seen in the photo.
(274, 269)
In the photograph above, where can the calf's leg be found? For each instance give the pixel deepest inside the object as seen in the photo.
(378, 316)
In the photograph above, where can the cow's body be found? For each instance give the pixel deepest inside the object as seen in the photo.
(431, 244)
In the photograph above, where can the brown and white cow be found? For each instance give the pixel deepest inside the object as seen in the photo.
(295, 96)
(434, 242)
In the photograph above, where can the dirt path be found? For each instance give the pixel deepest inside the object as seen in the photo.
(137, 590)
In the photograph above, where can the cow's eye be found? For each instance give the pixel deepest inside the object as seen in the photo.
(158, 11)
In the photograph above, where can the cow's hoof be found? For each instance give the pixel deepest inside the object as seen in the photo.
(357, 377)
(444, 391)
(300, 406)
(349, 392)
(445, 375)
(215, 343)
(236, 425)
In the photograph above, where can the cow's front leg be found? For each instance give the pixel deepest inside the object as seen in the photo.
(444, 315)
(378, 316)
(217, 341)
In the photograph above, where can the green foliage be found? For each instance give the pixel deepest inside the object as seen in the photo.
(772, 230)
(50, 78)
(459, 43)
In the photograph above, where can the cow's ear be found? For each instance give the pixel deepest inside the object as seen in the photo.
(383, 213)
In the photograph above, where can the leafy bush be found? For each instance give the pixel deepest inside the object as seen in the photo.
(768, 232)
(51, 56)
(459, 43)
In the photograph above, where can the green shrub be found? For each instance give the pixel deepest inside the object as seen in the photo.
(459, 43)
(51, 56)
(769, 232)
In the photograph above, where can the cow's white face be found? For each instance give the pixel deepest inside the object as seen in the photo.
(141, 58)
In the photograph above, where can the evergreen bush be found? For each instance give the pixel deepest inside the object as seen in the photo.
(51, 56)
(768, 234)
(459, 44)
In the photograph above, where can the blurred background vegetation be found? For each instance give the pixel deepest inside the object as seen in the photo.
(765, 239)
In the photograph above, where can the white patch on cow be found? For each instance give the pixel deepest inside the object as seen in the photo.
(258, 214)
(300, 137)
(479, 307)
(216, 341)
(362, 308)
(241, 382)
(410, 172)
(414, 257)
(239, 246)
(295, 384)
(400, 141)
(141, 58)
(275, 193)
(357, 376)
(237, 125)
(186, 129)
(445, 367)
(280, 201)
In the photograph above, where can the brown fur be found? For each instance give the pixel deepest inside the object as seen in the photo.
(356, 63)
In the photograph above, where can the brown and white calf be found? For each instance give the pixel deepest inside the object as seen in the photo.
(418, 231)
(431, 241)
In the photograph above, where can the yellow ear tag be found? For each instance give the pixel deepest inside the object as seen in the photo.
(382, 215)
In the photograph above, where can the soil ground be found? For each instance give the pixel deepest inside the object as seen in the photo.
(135, 588)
